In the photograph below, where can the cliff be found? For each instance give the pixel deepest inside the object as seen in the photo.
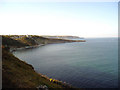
(19, 74)
(29, 40)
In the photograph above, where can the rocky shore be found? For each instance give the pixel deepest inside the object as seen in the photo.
(26, 47)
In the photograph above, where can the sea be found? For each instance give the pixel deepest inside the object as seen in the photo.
(90, 64)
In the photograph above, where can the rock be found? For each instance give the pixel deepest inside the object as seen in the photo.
(42, 87)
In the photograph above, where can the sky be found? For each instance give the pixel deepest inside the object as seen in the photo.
(84, 19)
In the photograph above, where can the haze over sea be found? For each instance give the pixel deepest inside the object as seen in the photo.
(90, 64)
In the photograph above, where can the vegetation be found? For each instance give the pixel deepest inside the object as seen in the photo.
(9, 42)
(19, 74)
(28, 40)
(44, 40)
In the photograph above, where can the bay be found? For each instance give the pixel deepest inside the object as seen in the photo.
(90, 64)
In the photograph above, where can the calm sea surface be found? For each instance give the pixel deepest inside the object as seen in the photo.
(90, 64)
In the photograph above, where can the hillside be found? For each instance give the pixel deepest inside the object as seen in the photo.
(7, 41)
(63, 37)
(19, 74)
(36, 40)
(43, 40)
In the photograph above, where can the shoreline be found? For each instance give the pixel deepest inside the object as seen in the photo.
(52, 80)
(40, 81)
(11, 45)
(12, 49)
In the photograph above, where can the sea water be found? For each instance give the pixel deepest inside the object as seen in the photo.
(90, 64)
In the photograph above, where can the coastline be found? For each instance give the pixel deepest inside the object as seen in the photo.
(10, 45)
(20, 74)
(12, 49)
(52, 80)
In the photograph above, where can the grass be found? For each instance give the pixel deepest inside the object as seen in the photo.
(19, 74)
(11, 42)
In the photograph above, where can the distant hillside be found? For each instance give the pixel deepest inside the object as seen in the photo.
(27, 40)
(7, 41)
(64, 36)
(43, 40)
(30, 40)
